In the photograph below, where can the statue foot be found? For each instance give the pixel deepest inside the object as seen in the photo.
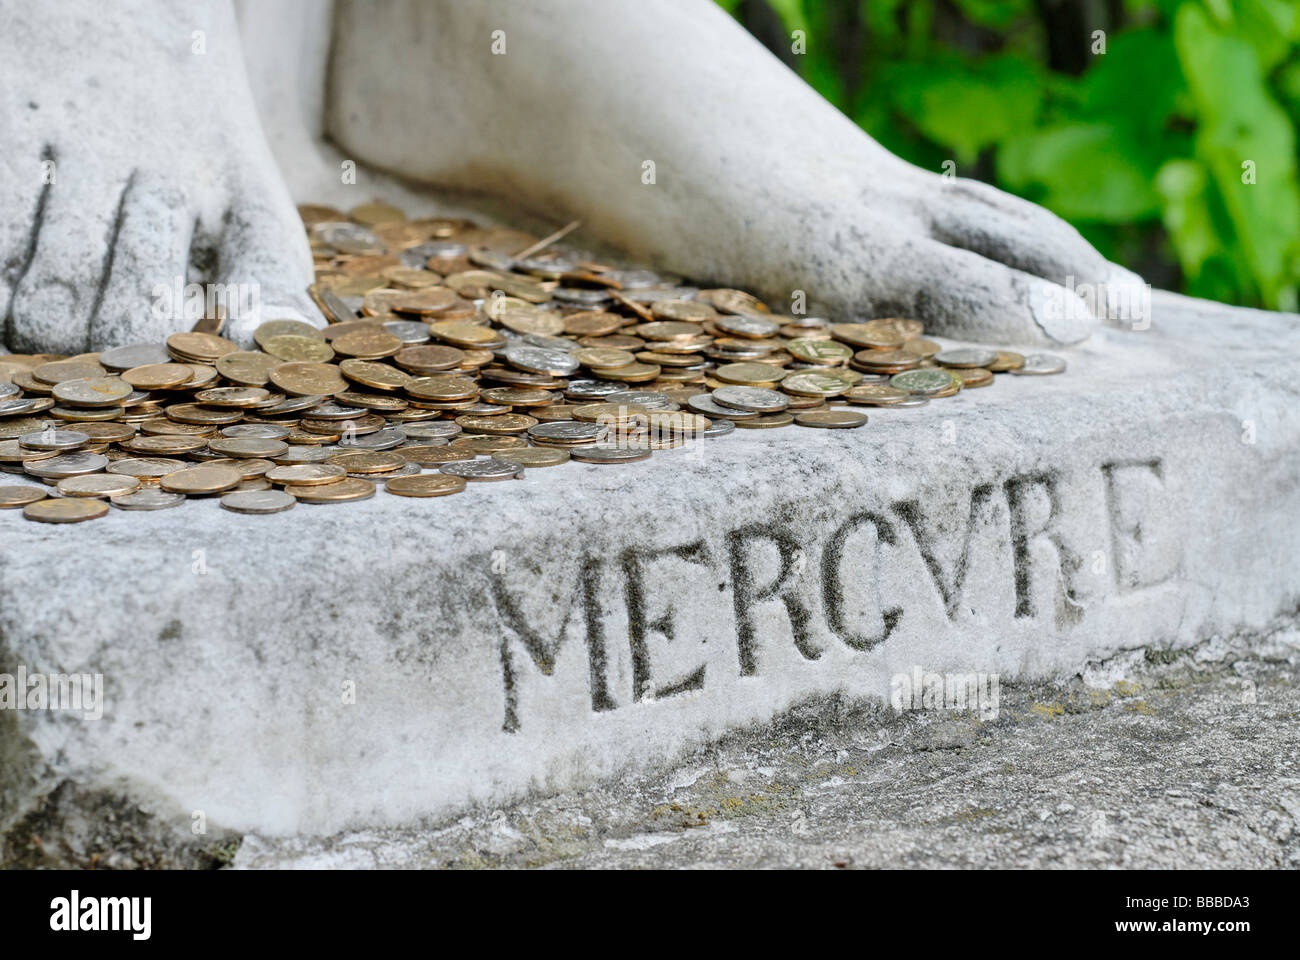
(672, 134)
(113, 197)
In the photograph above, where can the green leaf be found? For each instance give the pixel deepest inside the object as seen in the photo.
(1288, 86)
(965, 107)
(993, 13)
(1268, 26)
(1139, 60)
(1241, 124)
(791, 13)
(1079, 171)
(1185, 186)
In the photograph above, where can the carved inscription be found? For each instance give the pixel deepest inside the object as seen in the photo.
(807, 591)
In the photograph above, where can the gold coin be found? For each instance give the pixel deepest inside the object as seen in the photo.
(603, 357)
(518, 396)
(368, 461)
(805, 403)
(767, 421)
(731, 301)
(425, 485)
(355, 286)
(377, 376)
(973, 377)
(248, 448)
(886, 334)
(612, 413)
(349, 488)
(368, 344)
(203, 347)
(369, 214)
(631, 373)
(593, 323)
(429, 456)
(955, 384)
(65, 510)
(667, 330)
(159, 376)
(888, 361)
(424, 359)
(249, 469)
(1007, 360)
(83, 414)
(203, 376)
(676, 421)
(531, 319)
(461, 334)
(533, 456)
(108, 432)
(412, 277)
(670, 360)
(378, 303)
(831, 419)
(161, 426)
(442, 388)
(292, 348)
(372, 401)
(512, 284)
(196, 413)
(281, 328)
(486, 444)
(336, 330)
(19, 496)
(313, 213)
(308, 379)
(368, 265)
(202, 479)
(687, 311)
(98, 485)
(748, 374)
(498, 424)
(553, 411)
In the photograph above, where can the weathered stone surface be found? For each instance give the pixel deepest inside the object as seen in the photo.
(587, 620)
(1151, 760)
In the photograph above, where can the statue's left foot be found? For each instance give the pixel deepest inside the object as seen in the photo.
(129, 171)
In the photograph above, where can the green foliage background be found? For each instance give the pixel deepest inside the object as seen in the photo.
(1144, 147)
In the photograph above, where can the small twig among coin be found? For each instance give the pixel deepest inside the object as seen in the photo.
(545, 242)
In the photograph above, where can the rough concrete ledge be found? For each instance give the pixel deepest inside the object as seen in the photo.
(1150, 760)
(381, 664)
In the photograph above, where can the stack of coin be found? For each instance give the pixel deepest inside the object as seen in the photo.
(445, 358)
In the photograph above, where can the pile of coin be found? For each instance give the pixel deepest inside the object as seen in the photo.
(452, 354)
